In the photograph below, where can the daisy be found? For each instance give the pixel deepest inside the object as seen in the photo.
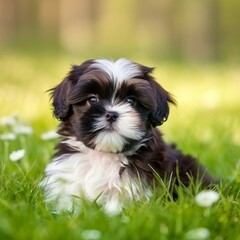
(49, 135)
(198, 234)
(21, 129)
(7, 136)
(91, 234)
(206, 198)
(17, 155)
(8, 120)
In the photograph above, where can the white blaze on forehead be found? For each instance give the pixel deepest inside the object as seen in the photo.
(118, 71)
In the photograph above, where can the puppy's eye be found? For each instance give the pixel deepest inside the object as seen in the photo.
(92, 99)
(132, 101)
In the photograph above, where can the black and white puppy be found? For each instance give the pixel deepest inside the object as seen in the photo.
(110, 149)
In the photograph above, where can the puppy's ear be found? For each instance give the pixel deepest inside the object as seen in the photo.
(162, 101)
(61, 107)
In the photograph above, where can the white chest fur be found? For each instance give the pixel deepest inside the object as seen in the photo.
(93, 175)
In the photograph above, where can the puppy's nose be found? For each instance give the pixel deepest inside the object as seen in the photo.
(111, 116)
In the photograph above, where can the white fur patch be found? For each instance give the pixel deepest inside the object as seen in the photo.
(126, 126)
(93, 175)
(118, 71)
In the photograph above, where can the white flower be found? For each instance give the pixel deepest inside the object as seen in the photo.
(112, 207)
(49, 135)
(8, 121)
(198, 234)
(21, 129)
(17, 155)
(206, 198)
(7, 136)
(91, 234)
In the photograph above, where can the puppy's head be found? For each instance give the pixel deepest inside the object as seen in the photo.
(111, 105)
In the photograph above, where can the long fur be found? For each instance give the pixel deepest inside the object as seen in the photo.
(110, 148)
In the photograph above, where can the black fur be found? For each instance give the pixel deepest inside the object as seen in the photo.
(152, 103)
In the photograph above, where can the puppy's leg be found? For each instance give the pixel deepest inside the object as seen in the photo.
(186, 169)
(190, 170)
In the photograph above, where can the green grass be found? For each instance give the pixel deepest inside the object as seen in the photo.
(205, 123)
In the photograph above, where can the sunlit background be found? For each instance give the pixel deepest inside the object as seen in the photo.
(187, 30)
(194, 45)
(164, 29)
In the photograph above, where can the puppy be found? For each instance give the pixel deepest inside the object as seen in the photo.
(110, 149)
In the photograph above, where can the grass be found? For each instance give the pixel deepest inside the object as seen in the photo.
(205, 123)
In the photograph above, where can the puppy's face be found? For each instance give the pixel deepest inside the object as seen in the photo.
(110, 106)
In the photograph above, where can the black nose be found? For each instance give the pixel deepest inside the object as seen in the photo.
(112, 116)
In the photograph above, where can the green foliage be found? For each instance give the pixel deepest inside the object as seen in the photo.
(205, 123)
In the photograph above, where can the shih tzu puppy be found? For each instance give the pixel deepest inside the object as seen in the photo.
(110, 149)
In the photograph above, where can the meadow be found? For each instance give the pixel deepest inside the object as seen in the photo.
(205, 123)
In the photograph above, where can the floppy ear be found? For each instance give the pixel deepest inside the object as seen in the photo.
(61, 107)
(162, 100)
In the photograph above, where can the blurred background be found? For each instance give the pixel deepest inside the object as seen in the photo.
(189, 30)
